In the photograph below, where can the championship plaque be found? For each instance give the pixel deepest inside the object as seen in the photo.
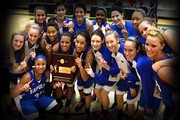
(62, 64)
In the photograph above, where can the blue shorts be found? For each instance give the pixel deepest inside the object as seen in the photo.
(29, 108)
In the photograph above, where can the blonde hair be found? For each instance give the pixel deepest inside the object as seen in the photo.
(158, 33)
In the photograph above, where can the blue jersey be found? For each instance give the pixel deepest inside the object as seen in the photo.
(103, 77)
(96, 26)
(77, 27)
(49, 41)
(128, 26)
(144, 72)
(70, 52)
(36, 86)
(62, 28)
(136, 33)
(166, 92)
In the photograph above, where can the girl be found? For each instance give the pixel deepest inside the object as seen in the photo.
(137, 15)
(29, 94)
(40, 16)
(79, 22)
(124, 85)
(53, 36)
(142, 69)
(124, 28)
(65, 47)
(84, 58)
(60, 17)
(17, 58)
(155, 43)
(100, 22)
(101, 76)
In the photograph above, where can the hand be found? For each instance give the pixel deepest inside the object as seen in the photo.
(90, 71)
(58, 84)
(73, 69)
(33, 54)
(124, 32)
(150, 112)
(156, 66)
(65, 24)
(26, 87)
(103, 63)
(48, 46)
(123, 75)
(23, 64)
(78, 61)
(133, 92)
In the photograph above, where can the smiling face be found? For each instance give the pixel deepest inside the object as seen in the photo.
(144, 28)
(80, 43)
(18, 42)
(65, 43)
(130, 50)
(52, 33)
(61, 12)
(112, 43)
(33, 36)
(40, 65)
(153, 47)
(100, 16)
(79, 14)
(96, 42)
(117, 18)
(136, 17)
(40, 16)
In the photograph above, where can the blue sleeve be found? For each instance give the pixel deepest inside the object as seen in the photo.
(114, 70)
(101, 78)
(133, 78)
(145, 70)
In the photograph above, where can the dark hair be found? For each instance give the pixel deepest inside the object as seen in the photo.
(99, 33)
(141, 11)
(52, 23)
(60, 3)
(139, 44)
(69, 34)
(119, 8)
(41, 8)
(86, 35)
(103, 9)
(80, 5)
(149, 20)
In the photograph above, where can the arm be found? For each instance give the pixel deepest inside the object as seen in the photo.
(172, 39)
(89, 26)
(167, 62)
(71, 26)
(23, 85)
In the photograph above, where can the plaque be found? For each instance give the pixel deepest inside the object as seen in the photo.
(62, 64)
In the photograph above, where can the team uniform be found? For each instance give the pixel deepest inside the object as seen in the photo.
(101, 76)
(87, 86)
(166, 92)
(149, 97)
(29, 102)
(103, 27)
(12, 76)
(61, 28)
(136, 33)
(70, 53)
(128, 26)
(124, 85)
(77, 27)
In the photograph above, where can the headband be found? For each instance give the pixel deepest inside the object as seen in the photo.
(40, 56)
